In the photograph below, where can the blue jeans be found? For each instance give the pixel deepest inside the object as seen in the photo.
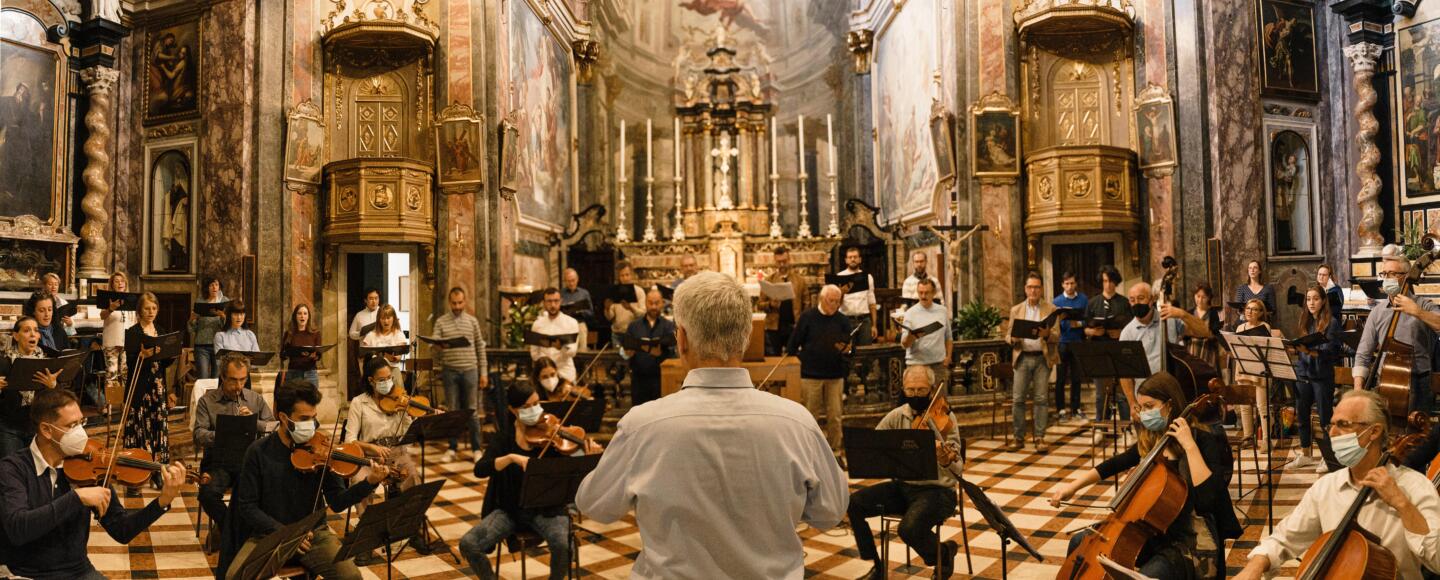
(498, 525)
(1153, 567)
(1314, 392)
(204, 361)
(460, 393)
(1032, 378)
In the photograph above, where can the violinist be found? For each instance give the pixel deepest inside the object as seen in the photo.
(377, 431)
(1404, 519)
(232, 398)
(552, 387)
(15, 425)
(645, 364)
(46, 521)
(504, 464)
(921, 503)
(1316, 372)
(1193, 546)
(1417, 329)
(271, 492)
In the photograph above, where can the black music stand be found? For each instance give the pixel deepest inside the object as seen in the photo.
(233, 435)
(273, 551)
(437, 428)
(553, 481)
(388, 522)
(1266, 357)
(900, 454)
(1000, 523)
(1111, 359)
(588, 413)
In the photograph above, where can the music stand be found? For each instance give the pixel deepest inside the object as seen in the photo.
(1266, 357)
(588, 413)
(1000, 523)
(903, 454)
(233, 435)
(1111, 359)
(273, 551)
(437, 428)
(388, 522)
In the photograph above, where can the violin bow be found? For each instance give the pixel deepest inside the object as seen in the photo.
(119, 442)
(772, 370)
(329, 457)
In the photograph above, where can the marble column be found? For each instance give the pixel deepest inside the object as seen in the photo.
(747, 182)
(708, 171)
(96, 203)
(1363, 57)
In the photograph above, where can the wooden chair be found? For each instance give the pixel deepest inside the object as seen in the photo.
(1002, 373)
(524, 538)
(888, 522)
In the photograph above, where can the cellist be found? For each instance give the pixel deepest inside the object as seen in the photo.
(922, 503)
(1406, 519)
(1417, 329)
(1194, 544)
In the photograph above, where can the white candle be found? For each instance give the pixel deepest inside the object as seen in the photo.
(774, 146)
(677, 153)
(830, 143)
(649, 160)
(800, 142)
(622, 150)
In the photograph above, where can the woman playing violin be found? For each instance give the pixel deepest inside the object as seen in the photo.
(15, 427)
(504, 464)
(378, 432)
(1193, 546)
(545, 375)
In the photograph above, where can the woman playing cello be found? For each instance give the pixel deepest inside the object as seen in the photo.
(1192, 546)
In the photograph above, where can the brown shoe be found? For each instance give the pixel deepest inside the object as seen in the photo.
(1041, 446)
(1015, 445)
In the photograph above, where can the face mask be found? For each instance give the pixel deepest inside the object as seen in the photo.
(1140, 310)
(73, 441)
(1391, 286)
(1153, 420)
(917, 404)
(550, 383)
(531, 415)
(384, 387)
(1347, 448)
(302, 431)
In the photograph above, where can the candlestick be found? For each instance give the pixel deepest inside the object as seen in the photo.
(679, 233)
(649, 184)
(649, 159)
(800, 151)
(830, 142)
(833, 230)
(622, 234)
(774, 145)
(804, 230)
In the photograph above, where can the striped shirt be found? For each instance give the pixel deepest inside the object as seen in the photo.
(448, 325)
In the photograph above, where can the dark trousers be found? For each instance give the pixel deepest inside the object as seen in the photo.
(644, 388)
(1067, 372)
(921, 507)
(1421, 397)
(212, 494)
(775, 340)
(863, 337)
(1313, 392)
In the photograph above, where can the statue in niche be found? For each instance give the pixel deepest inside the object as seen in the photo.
(105, 10)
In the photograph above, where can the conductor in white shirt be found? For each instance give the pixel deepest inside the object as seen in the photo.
(1403, 513)
(720, 473)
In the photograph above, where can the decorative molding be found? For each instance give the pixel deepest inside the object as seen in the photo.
(29, 227)
(861, 43)
(586, 53)
(171, 130)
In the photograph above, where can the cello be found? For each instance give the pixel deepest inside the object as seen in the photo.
(1144, 507)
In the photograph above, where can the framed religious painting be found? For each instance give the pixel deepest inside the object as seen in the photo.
(1288, 66)
(509, 143)
(304, 144)
(171, 88)
(942, 139)
(995, 137)
(170, 207)
(1155, 130)
(33, 114)
(1418, 113)
(459, 157)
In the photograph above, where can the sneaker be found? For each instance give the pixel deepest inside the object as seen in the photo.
(448, 456)
(1061, 416)
(1079, 416)
(1321, 468)
(1299, 460)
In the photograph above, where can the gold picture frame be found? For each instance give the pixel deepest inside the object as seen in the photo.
(1155, 131)
(304, 144)
(509, 140)
(34, 164)
(172, 71)
(995, 137)
(459, 147)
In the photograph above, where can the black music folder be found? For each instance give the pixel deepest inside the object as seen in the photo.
(299, 350)
(850, 283)
(1111, 323)
(533, 338)
(21, 374)
(1373, 289)
(1236, 305)
(455, 342)
(653, 346)
(68, 309)
(397, 350)
(169, 345)
(364, 330)
(577, 307)
(554, 481)
(1257, 331)
(233, 435)
(257, 358)
(129, 301)
(666, 292)
(923, 331)
(1310, 341)
(623, 293)
(1021, 328)
(209, 308)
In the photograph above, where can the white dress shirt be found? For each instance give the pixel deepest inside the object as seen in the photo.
(718, 474)
(362, 319)
(1326, 502)
(1032, 313)
(397, 338)
(564, 357)
(858, 303)
(40, 465)
(910, 288)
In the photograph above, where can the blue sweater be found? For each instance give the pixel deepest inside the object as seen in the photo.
(1072, 330)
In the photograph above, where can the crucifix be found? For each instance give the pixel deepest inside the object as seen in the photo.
(723, 153)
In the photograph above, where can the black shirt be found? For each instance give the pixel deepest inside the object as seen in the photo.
(1117, 306)
(270, 493)
(644, 363)
(813, 341)
(45, 528)
(503, 491)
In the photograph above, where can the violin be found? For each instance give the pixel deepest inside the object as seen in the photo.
(936, 419)
(549, 432)
(1145, 506)
(417, 406)
(1350, 551)
(344, 460)
(130, 467)
(572, 392)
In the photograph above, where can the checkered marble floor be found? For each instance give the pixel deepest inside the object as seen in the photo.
(1017, 482)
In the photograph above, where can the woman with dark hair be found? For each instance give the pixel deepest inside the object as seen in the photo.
(303, 331)
(146, 427)
(203, 328)
(1193, 546)
(1315, 370)
(236, 337)
(545, 379)
(16, 430)
(1205, 309)
(1334, 294)
(1255, 288)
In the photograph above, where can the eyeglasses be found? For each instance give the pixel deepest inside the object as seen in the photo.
(1392, 275)
(1344, 425)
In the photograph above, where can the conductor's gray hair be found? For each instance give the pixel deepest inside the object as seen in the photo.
(715, 313)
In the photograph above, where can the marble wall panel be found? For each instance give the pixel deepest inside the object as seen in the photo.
(128, 184)
(1001, 255)
(304, 268)
(1235, 152)
(226, 153)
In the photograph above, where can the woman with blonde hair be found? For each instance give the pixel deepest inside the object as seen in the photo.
(387, 333)
(146, 428)
(1256, 315)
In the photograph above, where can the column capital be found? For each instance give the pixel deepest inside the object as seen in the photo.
(99, 79)
(1364, 55)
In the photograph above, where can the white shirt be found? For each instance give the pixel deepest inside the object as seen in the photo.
(1032, 313)
(40, 465)
(928, 349)
(910, 288)
(362, 319)
(858, 303)
(753, 466)
(564, 357)
(1328, 500)
(112, 335)
(397, 338)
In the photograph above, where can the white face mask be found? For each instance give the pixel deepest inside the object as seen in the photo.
(302, 431)
(73, 441)
(550, 383)
(531, 415)
(384, 387)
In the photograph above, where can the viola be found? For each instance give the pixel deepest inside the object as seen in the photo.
(131, 467)
(550, 432)
(1145, 506)
(936, 419)
(345, 459)
(417, 405)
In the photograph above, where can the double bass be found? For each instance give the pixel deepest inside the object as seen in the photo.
(1144, 507)
(1194, 374)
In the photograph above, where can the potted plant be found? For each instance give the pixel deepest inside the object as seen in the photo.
(518, 320)
(977, 321)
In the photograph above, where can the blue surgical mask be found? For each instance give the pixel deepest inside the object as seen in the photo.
(384, 387)
(1153, 420)
(302, 431)
(1391, 286)
(1347, 448)
(531, 415)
